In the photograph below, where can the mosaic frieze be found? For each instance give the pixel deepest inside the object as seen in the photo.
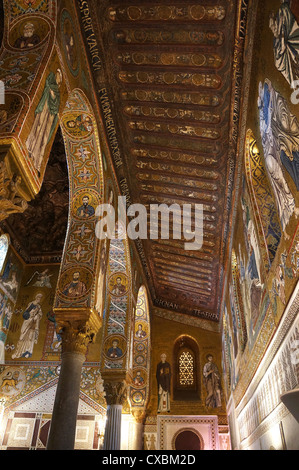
(157, 96)
(164, 200)
(174, 113)
(203, 13)
(187, 130)
(155, 166)
(175, 180)
(170, 59)
(167, 36)
(185, 145)
(20, 7)
(174, 192)
(204, 80)
(173, 156)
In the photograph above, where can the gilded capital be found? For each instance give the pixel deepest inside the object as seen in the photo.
(76, 337)
(139, 415)
(77, 327)
(13, 198)
(116, 392)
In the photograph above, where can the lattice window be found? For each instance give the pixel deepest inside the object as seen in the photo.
(186, 369)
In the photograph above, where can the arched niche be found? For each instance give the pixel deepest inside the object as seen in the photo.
(237, 301)
(186, 370)
(118, 303)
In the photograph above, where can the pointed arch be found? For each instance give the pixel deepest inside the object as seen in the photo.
(86, 191)
(226, 351)
(238, 302)
(140, 352)
(118, 303)
(264, 208)
(186, 382)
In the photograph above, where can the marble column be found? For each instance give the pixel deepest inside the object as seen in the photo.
(63, 425)
(115, 396)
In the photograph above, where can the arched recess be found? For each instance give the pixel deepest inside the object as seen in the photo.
(140, 353)
(118, 305)
(264, 207)
(76, 294)
(186, 381)
(238, 303)
(226, 353)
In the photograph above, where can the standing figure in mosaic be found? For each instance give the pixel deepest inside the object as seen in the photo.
(30, 329)
(46, 118)
(212, 382)
(163, 375)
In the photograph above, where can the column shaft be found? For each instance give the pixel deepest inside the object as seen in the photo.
(63, 426)
(112, 437)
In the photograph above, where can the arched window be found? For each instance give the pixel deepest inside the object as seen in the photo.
(186, 369)
(186, 381)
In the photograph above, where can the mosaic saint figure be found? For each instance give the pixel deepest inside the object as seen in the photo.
(86, 210)
(212, 382)
(163, 375)
(30, 329)
(285, 30)
(76, 287)
(115, 351)
(28, 39)
(140, 333)
(46, 118)
(119, 288)
(138, 380)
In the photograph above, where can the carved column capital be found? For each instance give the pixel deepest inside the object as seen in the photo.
(78, 328)
(139, 415)
(76, 337)
(116, 392)
(13, 196)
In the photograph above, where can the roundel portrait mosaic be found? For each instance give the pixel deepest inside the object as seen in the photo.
(118, 284)
(75, 283)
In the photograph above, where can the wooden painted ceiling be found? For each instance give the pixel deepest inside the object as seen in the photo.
(169, 66)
